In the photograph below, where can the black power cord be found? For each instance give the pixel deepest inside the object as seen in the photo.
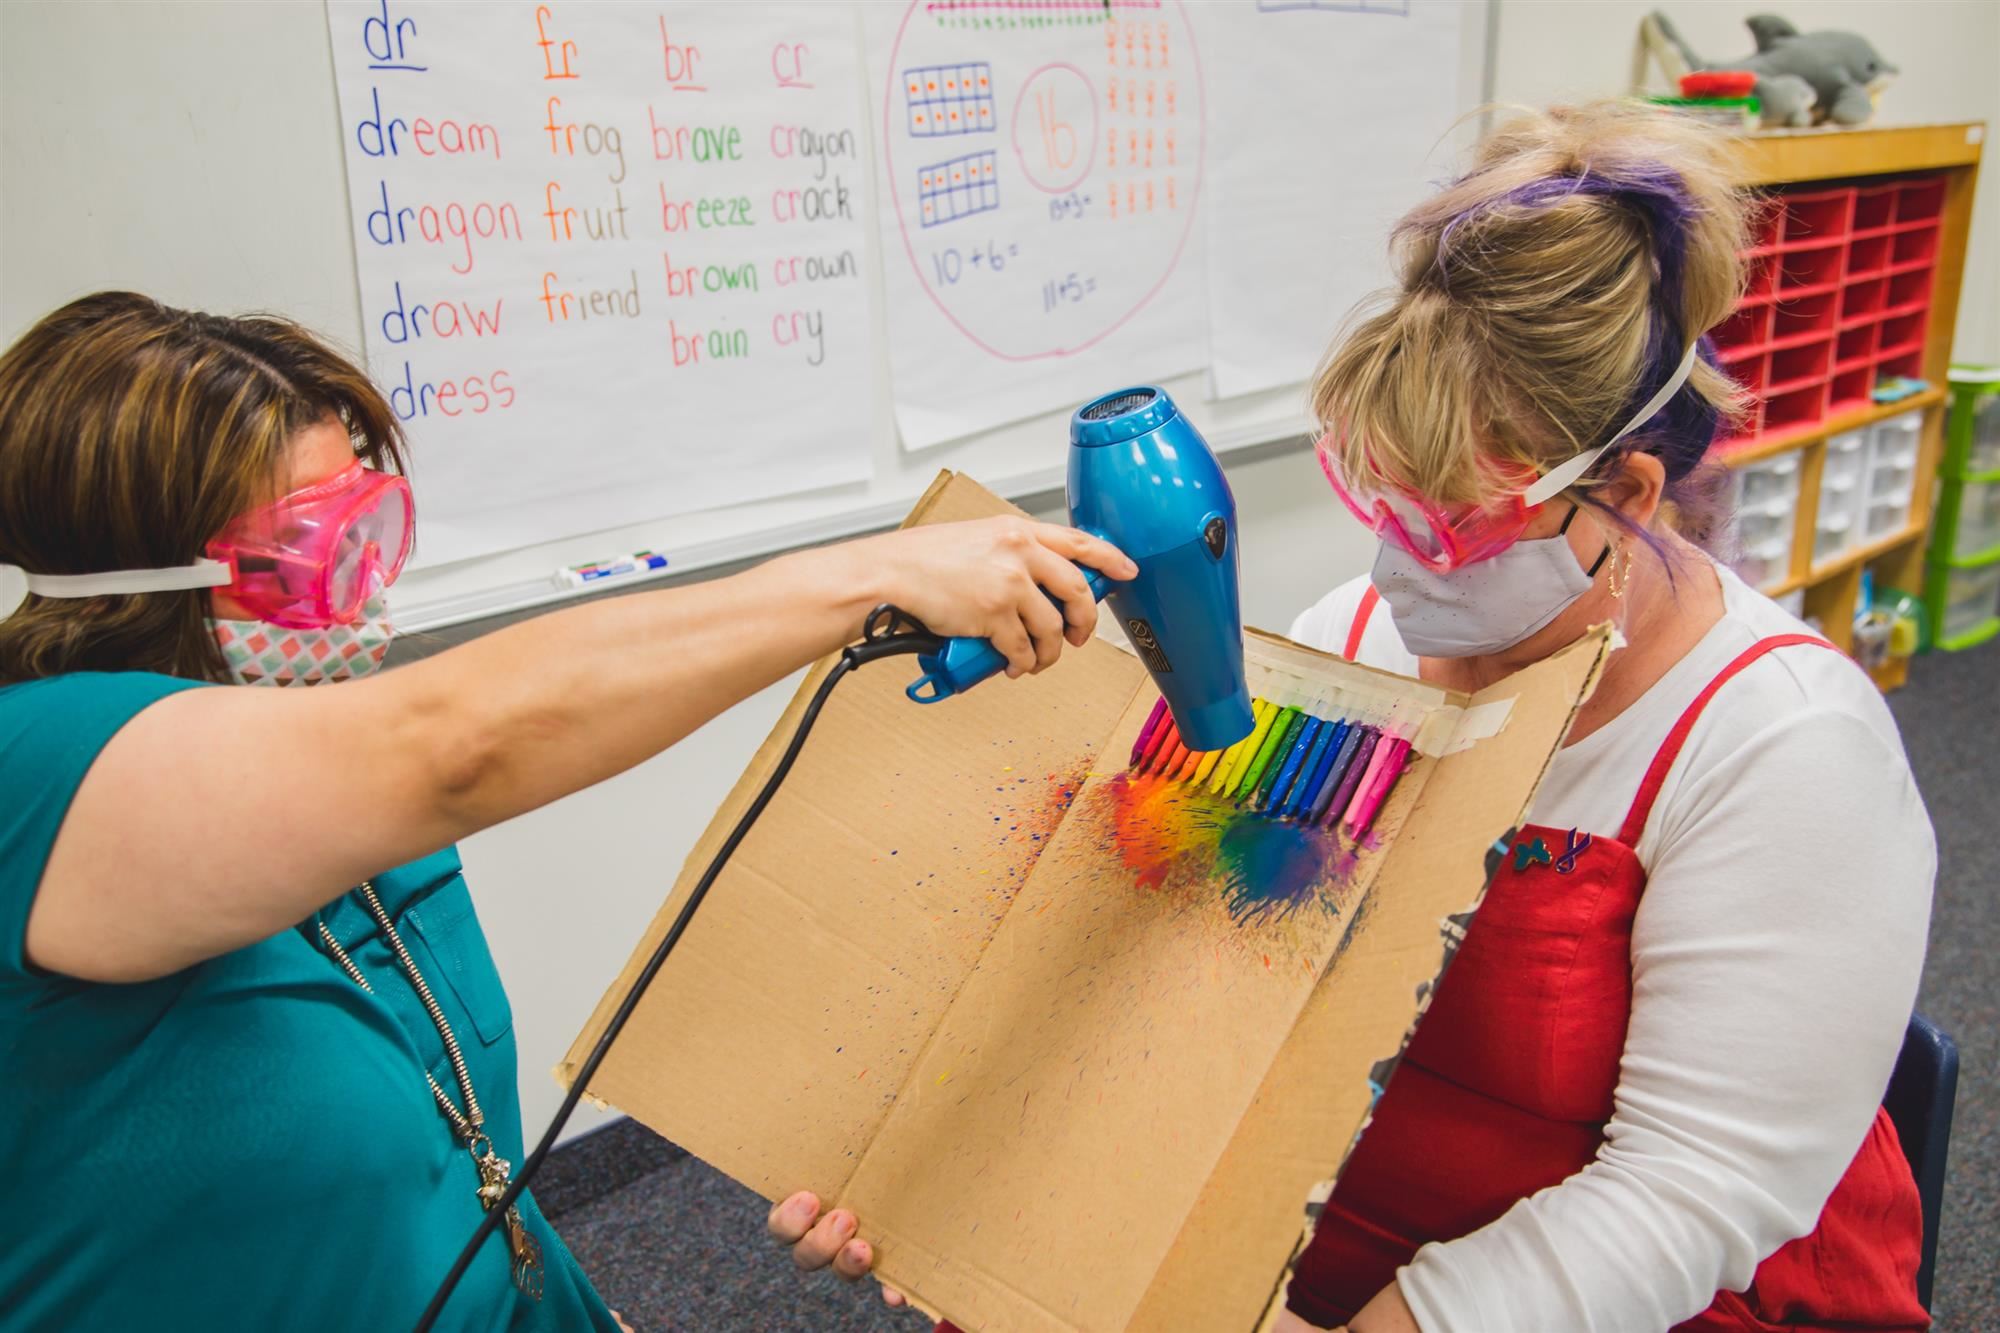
(889, 632)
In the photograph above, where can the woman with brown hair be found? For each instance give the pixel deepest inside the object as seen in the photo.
(256, 1066)
(1647, 1092)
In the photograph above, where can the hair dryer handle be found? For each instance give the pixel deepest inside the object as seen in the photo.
(964, 662)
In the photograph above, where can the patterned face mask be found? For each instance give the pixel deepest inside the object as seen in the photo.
(259, 653)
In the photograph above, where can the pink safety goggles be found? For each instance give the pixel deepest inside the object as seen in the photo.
(1448, 538)
(311, 558)
(1442, 537)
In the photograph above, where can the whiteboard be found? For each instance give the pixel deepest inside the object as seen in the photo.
(194, 151)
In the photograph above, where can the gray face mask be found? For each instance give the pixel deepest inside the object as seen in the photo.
(1486, 607)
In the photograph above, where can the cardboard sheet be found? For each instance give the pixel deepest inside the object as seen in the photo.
(1076, 1061)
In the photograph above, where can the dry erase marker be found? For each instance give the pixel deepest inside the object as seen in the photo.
(584, 576)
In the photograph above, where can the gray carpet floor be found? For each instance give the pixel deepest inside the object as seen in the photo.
(676, 1246)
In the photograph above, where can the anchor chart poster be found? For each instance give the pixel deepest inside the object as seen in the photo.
(1039, 170)
(612, 257)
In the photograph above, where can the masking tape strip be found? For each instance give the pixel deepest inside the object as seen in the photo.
(1449, 730)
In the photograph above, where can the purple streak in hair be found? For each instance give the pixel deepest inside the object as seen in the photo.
(1682, 431)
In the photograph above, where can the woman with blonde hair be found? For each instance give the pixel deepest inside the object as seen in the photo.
(1647, 1092)
(257, 1068)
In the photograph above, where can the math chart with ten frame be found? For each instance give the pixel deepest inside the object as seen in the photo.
(612, 257)
(1039, 168)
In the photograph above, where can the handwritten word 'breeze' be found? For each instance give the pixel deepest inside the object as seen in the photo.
(704, 214)
(816, 203)
(709, 278)
(798, 141)
(597, 140)
(454, 223)
(439, 319)
(596, 304)
(599, 223)
(412, 399)
(383, 137)
(694, 143)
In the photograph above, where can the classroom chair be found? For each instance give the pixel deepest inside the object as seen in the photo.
(1919, 1101)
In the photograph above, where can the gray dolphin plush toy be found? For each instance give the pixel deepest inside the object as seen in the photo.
(1800, 76)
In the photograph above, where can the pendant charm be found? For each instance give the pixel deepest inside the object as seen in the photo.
(526, 1252)
(493, 1173)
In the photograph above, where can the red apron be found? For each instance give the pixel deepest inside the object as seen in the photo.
(1507, 1085)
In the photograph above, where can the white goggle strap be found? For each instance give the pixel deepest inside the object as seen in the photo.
(1552, 484)
(16, 583)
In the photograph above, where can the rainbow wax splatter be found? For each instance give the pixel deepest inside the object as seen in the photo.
(1257, 820)
(1175, 838)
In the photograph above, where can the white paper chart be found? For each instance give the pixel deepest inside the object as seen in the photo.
(612, 257)
(1325, 118)
(1040, 171)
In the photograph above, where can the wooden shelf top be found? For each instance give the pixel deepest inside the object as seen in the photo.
(1779, 157)
(1782, 441)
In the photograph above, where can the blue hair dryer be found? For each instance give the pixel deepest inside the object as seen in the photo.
(1142, 478)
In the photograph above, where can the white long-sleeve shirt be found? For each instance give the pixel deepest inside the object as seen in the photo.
(1775, 959)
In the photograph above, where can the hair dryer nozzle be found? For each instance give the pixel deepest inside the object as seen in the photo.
(1142, 477)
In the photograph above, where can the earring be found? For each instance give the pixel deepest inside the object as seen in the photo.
(1614, 580)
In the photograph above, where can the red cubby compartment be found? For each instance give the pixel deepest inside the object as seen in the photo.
(1910, 291)
(1920, 199)
(1817, 216)
(1767, 216)
(1875, 208)
(1799, 318)
(1862, 302)
(1760, 277)
(1856, 348)
(1748, 328)
(1903, 333)
(1914, 247)
(1909, 365)
(1852, 388)
(1800, 406)
(1816, 269)
(1751, 372)
(1867, 256)
(1796, 367)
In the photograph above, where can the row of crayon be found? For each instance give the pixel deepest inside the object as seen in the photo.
(1293, 765)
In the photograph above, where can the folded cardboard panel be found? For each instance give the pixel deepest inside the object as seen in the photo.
(952, 982)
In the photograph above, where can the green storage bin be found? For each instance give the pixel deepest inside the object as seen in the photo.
(1972, 426)
(1962, 564)
(1963, 602)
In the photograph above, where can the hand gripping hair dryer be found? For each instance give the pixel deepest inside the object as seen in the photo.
(1142, 478)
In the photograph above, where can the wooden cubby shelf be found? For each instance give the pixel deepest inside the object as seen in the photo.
(1855, 268)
